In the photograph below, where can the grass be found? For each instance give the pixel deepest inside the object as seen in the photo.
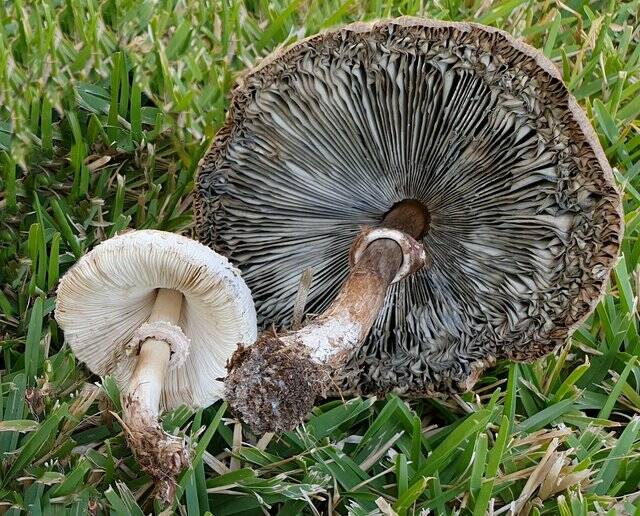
(105, 109)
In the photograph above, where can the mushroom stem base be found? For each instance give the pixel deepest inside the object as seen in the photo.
(273, 385)
(161, 455)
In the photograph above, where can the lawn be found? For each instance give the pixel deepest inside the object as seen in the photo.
(106, 107)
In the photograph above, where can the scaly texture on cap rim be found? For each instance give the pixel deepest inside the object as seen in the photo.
(279, 192)
(109, 293)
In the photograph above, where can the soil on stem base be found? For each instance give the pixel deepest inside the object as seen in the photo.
(273, 385)
(161, 455)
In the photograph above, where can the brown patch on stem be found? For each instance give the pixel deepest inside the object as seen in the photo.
(161, 455)
(410, 216)
(273, 385)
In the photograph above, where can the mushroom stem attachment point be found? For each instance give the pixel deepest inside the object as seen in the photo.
(160, 454)
(273, 384)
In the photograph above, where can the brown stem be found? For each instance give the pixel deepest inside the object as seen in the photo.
(274, 383)
(347, 321)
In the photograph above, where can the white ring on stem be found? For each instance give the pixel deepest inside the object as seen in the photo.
(167, 332)
(414, 256)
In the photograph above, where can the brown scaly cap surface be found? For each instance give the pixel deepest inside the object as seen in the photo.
(327, 135)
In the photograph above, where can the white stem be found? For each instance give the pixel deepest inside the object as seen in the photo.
(147, 380)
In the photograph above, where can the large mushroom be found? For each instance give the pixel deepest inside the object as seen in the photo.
(162, 314)
(451, 139)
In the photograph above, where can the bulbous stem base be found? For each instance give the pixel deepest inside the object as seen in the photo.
(161, 455)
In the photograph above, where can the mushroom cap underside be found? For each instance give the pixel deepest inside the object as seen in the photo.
(105, 297)
(328, 135)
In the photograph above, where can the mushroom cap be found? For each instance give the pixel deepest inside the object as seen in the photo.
(329, 134)
(109, 293)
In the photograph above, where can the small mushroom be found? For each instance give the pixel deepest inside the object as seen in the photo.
(381, 142)
(162, 314)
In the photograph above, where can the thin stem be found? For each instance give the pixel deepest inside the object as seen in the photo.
(147, 380)
(148, 377)
(161, 455)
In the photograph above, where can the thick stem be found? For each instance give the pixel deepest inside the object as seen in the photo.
(161, 455)
(274, 383)
(347, 321)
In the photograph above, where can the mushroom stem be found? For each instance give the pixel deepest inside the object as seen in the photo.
(274, 383)
(148, 376)
(347, 321)
(160, 454)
